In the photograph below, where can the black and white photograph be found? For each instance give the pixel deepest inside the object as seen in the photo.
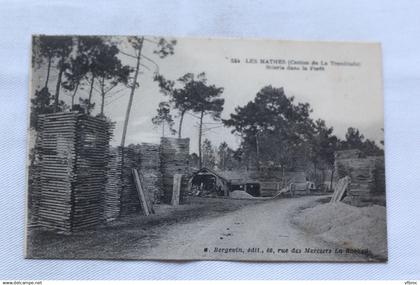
(172, 148)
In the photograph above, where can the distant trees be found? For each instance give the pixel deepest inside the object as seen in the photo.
(272, 126)
(179, 98)
(206, 101)
(227, 158)
(277, 131)
(164, 117)
(219, 158)
(194, 95)
(354, 139)
(93, 62)
(110, 72)
(56, 50)
(209, 158)
(322, 146)
(74, 75)
(163, 49)
(40, 104)
(79, 61)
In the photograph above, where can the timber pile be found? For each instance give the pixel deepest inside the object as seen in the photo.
(174, 157)
(340, 189)
(74, 152)
(130, 201)
(113, 186)
(367, 179)
(34, 176)
(270, 189)
(146, 202)
(379, 173)
(150, 170)
(92, 155)
(349, 153)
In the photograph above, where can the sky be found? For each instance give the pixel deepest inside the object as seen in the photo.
(345, 95)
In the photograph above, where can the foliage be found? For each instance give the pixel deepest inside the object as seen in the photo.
(164, 117)
(209, 159)
(179, 98)
(163, 49)
(41, 103)
(205, 100)
(356, 140)
(227, 158)
(273, 127)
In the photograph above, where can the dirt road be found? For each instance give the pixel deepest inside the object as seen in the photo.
(257, 232)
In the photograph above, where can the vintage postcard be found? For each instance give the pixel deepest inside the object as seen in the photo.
(161, 148)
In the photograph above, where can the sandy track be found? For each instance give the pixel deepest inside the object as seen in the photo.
(248, 234)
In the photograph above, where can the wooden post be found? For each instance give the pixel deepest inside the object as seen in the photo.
(142, 195)
(176, 190)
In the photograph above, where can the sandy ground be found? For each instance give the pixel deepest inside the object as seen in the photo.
(129, 237)
(204, 228)
(261, 232)
(346, 225)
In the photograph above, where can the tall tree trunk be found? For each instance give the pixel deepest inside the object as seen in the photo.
(180, 123)
(58, 86)
(102, 96)
(74, 95)
(90, 93)
(200, 134)
(133, 88)
(102, 104)
(48, 71)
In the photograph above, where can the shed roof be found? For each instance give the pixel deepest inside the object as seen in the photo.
(208, 170)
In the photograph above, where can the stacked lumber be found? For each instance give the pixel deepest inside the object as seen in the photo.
(270, 189)
(58, 154)
(113, 185)
(348, 153)
(34, 176)
(379, 174)
(174, 155)
(340, 189)
(130, 202)
(150, 170)
(72, 171)
(367, 177)
(91, 166)
(146, 202)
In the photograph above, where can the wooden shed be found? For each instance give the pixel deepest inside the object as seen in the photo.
(208, 182)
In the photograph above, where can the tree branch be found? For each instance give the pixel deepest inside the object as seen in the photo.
(151, 41)
(127, 54)
(152, 61)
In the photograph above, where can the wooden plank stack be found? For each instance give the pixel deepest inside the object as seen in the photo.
(270, 189)
(74, 151)
(130, 201)
(146, 202)
(113, 185)
(150, 170)
(34, 177)
(176, 190)
(340, 189)
(174, 157)
(379, 174)
(92, 156)
(366, 175)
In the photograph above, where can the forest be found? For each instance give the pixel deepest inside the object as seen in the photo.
(275, 130)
